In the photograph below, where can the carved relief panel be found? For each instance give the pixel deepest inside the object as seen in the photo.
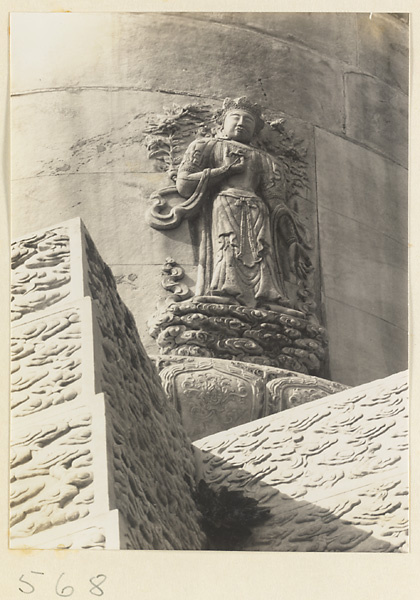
(253, 249)
(213, 395)
(333, 473)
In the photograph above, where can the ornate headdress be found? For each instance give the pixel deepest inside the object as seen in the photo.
(244, 103)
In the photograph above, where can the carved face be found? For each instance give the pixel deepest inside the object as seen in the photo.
(239, 125)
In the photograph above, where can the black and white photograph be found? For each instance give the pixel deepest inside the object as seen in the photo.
(209, 344)
(210, 225)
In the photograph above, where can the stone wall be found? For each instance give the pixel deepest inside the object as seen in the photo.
(99, 456)
(81, 98)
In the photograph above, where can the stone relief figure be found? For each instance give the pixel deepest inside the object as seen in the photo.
(248, 236)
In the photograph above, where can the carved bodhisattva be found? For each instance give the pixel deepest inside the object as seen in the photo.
(234, 192)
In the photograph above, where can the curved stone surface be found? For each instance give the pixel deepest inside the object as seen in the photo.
(152, 46)
(334, 34)
(377, 115)
(79, 113)
(383, 50)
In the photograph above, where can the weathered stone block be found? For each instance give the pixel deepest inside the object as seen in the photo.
(161, 47)
(360, 344)
(361, 185)
(59, 473)
(42, 274)
(332, 34)
(333, 473)
(377, 115)
(103, 532)
(90, 418)
(363, 268)
(383, 48)
(214, 394)
(147, 52)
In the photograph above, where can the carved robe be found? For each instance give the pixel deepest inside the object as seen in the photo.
(237, 256)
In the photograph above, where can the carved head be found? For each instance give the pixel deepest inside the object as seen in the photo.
(241, 119)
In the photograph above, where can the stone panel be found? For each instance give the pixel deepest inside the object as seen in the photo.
(78, 453)
(377, 115)
(102, 532)
(41, 272)
(46, 361)
(59, 473)
(383, 49)
(332, 34)
(149, 49)
(214, 394)
(288, 391)
(361, 185)
(364, 268)
(362, 346)
(332, 473)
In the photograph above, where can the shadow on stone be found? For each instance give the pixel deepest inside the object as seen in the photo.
(227, 516)
(243, 517)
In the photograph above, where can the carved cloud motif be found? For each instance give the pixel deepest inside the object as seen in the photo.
(334, 471)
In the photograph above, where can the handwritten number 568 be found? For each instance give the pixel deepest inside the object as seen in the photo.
(64, 591)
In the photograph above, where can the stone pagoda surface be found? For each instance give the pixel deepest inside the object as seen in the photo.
(99, 457)
(332, 475)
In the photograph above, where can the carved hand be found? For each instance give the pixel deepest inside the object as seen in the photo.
(233, 163)
(237, 166)
(300, 263)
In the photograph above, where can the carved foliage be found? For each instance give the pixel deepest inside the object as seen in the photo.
(281, 142)
(40, 274)
(170, 134)
(287, 392)
(213, 395)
